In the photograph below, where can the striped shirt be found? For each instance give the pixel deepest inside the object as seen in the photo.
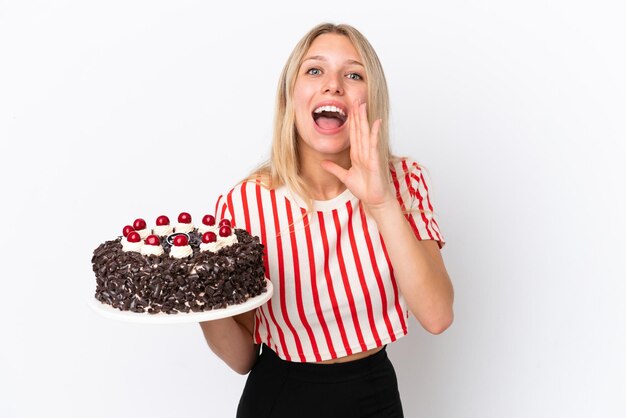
(334, 289)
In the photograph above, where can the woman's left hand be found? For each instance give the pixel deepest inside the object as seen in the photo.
(367, 177)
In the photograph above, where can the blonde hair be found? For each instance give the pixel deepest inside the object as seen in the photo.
(283, 167)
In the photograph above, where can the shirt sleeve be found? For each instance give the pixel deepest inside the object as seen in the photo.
(222, 208)
(414, 194)
(233, 206)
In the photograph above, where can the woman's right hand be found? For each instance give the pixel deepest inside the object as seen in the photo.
(231, 340)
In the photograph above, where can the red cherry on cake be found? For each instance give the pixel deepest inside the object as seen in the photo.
(152, 240)
(181, 240)
(133, 236)
(162, 220)
(208, 220)
(127, 229)
(225, 231)
(184, 218)
(225, 222)
(139, 224)
(209, 237)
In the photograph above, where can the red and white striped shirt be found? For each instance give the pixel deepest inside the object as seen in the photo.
(334, 289)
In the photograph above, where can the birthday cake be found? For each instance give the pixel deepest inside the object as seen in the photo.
(179, 268)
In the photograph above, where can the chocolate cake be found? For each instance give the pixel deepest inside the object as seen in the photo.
(193, 271)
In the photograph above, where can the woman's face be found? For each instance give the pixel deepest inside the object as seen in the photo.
(330, 79)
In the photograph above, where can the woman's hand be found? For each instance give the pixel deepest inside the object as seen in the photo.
(367, 177)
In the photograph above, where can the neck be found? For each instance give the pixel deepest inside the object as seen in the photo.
(321, 184)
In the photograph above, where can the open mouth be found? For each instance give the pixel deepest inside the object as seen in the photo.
(329, 117)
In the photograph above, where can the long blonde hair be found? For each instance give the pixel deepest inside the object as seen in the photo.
(283, 166)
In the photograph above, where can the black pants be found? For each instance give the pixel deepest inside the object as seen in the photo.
(362, 388)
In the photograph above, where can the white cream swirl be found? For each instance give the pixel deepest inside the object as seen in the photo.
(163, 230)
(228, 241)
(181, 251)
(208, 228)
(131, 246)
(152, 250)
(180, 227)
(221, 242)
(209, 246)
(143, 233)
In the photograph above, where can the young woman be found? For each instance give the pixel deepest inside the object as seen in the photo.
(352, 243)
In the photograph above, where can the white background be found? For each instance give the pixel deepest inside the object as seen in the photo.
(115, 110)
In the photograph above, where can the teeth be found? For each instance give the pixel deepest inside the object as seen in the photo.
(329, 109)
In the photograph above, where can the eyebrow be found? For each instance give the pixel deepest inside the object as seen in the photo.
(321, 58)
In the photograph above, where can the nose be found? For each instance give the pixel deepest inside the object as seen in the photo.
(333, 84)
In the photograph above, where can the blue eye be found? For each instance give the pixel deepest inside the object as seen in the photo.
(314, 71)
(354, 76)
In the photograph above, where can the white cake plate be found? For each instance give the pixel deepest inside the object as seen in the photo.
(181, 318)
